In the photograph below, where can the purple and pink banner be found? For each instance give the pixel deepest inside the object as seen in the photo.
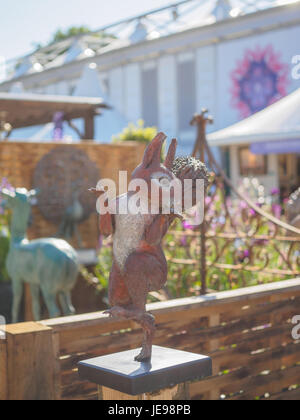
(276, 147)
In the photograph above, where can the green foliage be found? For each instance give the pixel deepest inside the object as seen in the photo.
(4, 245)
(103, 268)
(73, 31)
(136, 132)
(5, 218)
(61, 35)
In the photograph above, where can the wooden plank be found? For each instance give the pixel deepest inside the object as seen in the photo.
(214, 321)
(229, 333)
(257, 334)
(30, 362)
(264, 363)
(260, 385)
(276, 340)
(286, 288)
(98, 320)
(78, 391)
(56, 361)
(3, 371)
(293, 395)
(102, 344)
(202, 387)
(79, 341)
(234, 381)
(270, 305)
(239, 356)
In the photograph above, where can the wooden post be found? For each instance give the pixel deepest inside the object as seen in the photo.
(214, 321)
(201, 120)
(27, 360)
(89, 129)
(178, 392)
(165, 377)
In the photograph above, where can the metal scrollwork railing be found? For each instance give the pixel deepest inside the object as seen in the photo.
(240, 243)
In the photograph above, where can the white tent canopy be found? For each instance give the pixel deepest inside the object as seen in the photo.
(277, 124)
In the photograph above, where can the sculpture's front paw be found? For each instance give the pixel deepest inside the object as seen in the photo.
(108, 312)
(115, 312)
(145, 355)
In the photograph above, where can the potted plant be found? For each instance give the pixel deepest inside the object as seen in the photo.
(136, 132)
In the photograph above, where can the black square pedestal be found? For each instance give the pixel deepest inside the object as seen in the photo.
(167, 368)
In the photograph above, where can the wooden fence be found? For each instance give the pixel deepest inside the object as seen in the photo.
(247, 332)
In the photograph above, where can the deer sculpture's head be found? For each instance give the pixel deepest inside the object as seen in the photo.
(19, 201)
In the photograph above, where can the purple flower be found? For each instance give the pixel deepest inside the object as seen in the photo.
(208, 200)
(246, 253)
(187, 225)
(183, 241)
(275, 191)
(5, 184)
(276, 208)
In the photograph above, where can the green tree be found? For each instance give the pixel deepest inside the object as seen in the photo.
(61, 35)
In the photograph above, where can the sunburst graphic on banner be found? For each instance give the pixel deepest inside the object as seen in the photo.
(259, 79)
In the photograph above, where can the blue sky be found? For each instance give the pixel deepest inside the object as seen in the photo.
(26, 22)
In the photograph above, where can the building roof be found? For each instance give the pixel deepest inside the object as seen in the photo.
(277, 122)
(175, 18)
(25, 110)
(111, 122)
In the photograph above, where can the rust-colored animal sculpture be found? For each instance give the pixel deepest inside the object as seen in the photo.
(139, 265)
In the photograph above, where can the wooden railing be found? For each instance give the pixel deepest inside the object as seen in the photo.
(247, 332)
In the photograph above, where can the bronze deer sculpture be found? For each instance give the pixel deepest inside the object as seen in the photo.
(49, 265)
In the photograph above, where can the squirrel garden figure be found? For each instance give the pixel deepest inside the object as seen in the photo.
(139, 264)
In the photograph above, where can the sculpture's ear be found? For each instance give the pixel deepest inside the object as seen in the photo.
(7, 194)
(153, 152)
(171, 154)
(32, 197)
(33, 193)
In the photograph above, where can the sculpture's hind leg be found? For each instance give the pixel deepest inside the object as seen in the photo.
(65, 303)
(146, 321)
(36, 307)
(17, 286)
(144, 272)
(128, 291)
(50, 300)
